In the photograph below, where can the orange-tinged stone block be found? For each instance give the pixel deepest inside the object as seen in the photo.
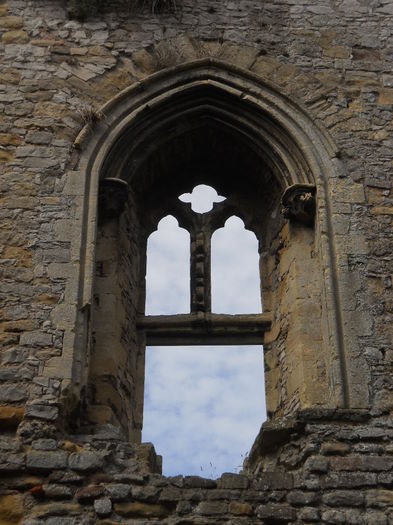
(141, 510)
(15, 37)
(11, 416)
(385, 97)
(11, 509)
(6, 156)
(240, 509)
(11, 22)
(10, 139)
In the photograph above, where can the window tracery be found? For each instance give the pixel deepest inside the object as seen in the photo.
(201, 325)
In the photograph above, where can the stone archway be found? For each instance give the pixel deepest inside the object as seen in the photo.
(152, 128)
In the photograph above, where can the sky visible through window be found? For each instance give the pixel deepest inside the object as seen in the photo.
(203, 405)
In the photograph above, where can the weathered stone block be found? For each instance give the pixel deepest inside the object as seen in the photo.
(36, 339)
(379, 498)
(222, 494)
(57, 491)
(14, 355)
(183, 507)
(85, 461)
(10, 444)
(65, 477)
(349, 480)
(10, 373)
(15, 37)
(130, 476)
(118, 491)
(147, 493)
(11, 22)
(274, 481)
(196, 482)
(362, 463)
(386, 478)
(90, 493)
(309, 514)
(233, 481)
(375, 517)
(344, 498)
(141, 510)
(317, 464)
(212, 508)
(334, 517)
(46, 412)
(240, 509)
(12, 462)
(11, 509)
(103, 507)
(61, 521)
(280, 513)
(170, 494)
(46, 460)
(58, 510)
(385, 97)
(300, 499)
(13, 393)
(333, 448)
(45, 444)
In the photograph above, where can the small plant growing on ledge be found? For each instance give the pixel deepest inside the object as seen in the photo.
(156, 5)
(89, 114)
(81, 9)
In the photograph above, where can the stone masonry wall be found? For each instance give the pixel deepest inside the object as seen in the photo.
(333, 57)
(331, 469)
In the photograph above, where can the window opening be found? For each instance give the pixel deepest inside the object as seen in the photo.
(203, 406)
(168, 269)
(235, 269)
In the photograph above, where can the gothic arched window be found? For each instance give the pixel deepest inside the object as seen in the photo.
(205, 123)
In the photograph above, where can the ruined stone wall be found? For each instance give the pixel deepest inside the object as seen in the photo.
(322, 468)
(332, 58)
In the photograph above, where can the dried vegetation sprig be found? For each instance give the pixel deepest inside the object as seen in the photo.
(82, 9)
(155, 5)
(89, 114)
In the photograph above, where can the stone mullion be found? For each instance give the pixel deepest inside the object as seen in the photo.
(200, 266)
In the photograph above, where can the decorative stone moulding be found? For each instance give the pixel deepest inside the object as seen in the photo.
(298, 203)
(112, 198)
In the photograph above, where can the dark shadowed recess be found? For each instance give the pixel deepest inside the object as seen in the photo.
(197, 141)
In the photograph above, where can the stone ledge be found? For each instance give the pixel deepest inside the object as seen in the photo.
(273, 434)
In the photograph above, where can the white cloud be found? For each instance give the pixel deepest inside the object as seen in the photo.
(203, 405)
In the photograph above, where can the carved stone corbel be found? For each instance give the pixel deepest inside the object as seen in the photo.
(298, 203)
(113, 196)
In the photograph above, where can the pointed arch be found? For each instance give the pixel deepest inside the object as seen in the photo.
(150, 133)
